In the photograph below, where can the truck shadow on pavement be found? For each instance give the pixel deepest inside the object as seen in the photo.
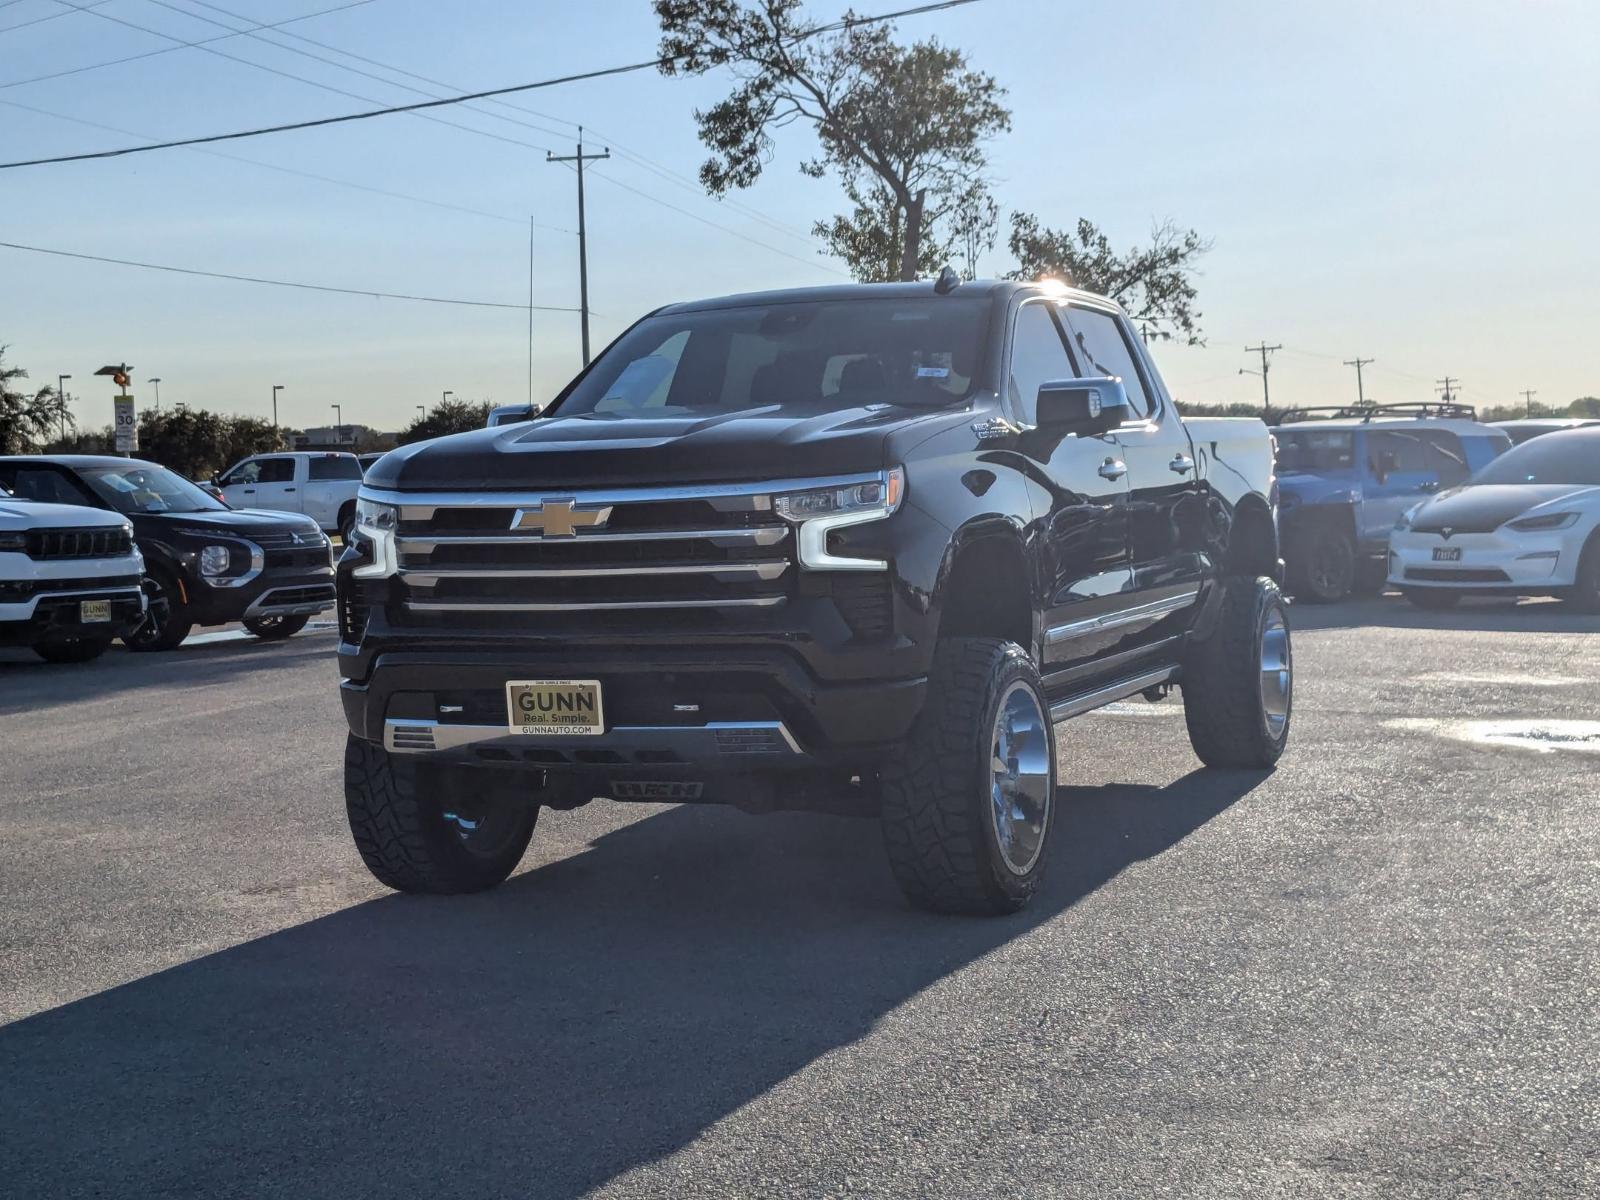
(1470, 616)
(593, 1015)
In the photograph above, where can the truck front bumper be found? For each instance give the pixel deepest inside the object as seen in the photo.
(669, 713)
(59, 615)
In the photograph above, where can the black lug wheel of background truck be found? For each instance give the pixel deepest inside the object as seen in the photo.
(1323, 569)
(968, 800)
(1238, 684)
(422, 828)
(72, 650)
(275, 629)
(166, 621)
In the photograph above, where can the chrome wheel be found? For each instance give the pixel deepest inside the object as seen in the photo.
(1019, 788)
(1277, 672)
(484, 826)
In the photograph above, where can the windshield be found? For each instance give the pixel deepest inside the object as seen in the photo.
(147, 489)
(1315, 449)
(790, 358)
(1565, 458)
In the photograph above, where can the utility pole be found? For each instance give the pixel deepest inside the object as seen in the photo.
(1527, 397)
(583, 238)
(276, 388)
(1358, 362)
(61, 403)
(1447, 388)
(1265, 351)
(156, 380)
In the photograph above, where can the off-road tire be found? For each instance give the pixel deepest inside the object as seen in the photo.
(276, 629)
(396, 812)
(1432, 599)
(936, 819)
(1324, 568)
(1222, 694)
(1584, 596)
(72, 650)
(167, 633)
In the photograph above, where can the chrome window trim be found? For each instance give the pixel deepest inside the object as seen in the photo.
(1122, 616)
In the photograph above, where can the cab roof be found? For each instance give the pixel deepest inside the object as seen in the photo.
(984, 289)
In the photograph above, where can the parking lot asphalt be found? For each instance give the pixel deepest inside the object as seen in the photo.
(1372, 972)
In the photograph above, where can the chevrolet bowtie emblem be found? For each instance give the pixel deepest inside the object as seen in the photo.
(561, 518)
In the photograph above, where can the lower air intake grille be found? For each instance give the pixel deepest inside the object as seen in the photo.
(1458, 575)
(412, 737)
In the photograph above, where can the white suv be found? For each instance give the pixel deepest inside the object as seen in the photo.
(69, 579)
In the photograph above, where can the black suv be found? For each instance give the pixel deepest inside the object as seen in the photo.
(854, 547)
(205, 563)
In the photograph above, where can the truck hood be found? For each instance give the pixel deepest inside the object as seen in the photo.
(602, 450)
(25, 514)
(1484, 507)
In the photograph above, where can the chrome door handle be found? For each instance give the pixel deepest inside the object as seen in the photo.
(1183, 464)
(1113, 468)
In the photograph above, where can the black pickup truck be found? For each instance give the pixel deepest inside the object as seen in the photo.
(853, 548)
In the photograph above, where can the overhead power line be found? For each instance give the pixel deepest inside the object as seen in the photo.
(66, 12)
(520, 222)
(601, 73)
(173, 49)
(286, 283)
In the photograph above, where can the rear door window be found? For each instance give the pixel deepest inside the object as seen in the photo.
(333, 467)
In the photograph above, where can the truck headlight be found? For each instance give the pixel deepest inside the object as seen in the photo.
(1544, 522)
(817, 512)
(214, 561)
(376, 522)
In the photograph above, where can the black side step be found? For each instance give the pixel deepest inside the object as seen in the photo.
(1076, 706)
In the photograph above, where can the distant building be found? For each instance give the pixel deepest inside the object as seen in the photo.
(350, 438)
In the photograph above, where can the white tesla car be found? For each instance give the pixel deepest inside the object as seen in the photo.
(1528, 524)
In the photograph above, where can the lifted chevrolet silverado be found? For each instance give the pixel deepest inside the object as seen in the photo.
(854, 548)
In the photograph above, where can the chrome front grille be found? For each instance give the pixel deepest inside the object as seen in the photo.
(687, 549)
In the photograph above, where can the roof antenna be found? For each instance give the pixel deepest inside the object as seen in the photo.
(947, 282)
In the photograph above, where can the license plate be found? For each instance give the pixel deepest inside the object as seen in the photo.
(555, 707)
(94, 610)
(1447, 554)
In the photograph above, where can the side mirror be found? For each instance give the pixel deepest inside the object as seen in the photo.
(1082, 406)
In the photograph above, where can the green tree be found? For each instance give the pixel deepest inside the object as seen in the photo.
(1153, 283)
(199, 443)
(28, 419)
(448, 416)
(903, 127)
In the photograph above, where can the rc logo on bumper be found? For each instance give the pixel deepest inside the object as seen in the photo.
(668, 789)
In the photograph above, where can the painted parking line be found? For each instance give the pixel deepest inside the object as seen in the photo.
(244, 635)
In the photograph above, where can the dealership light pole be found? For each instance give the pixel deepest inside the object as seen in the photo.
(338, 424)
(276, 388)
(445, 395)
(61, 402)
(156, 380)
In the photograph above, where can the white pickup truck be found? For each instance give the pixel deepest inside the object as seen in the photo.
(321, 485)
(69, 579)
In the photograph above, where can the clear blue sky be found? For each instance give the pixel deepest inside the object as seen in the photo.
(1413, 182)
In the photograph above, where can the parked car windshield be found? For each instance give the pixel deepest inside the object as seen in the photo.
(1315, 449)
(147, 489)
(800, 358)
(1565, 458)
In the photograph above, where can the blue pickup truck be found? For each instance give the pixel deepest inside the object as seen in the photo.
(1344, 479)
